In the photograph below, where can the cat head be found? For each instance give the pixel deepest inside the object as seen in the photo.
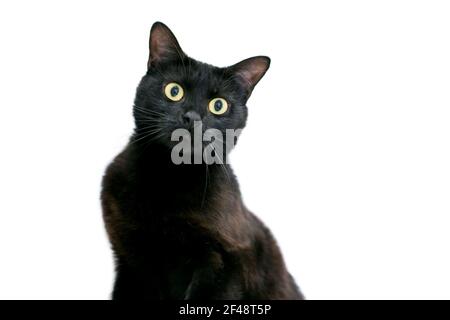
(179, 92)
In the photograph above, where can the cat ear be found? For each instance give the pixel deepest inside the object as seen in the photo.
(250, 71)
(163, 45)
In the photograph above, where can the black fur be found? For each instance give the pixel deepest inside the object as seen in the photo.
(182, 231)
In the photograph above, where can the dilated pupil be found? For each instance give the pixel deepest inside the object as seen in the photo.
(218, 105)
(174, 91)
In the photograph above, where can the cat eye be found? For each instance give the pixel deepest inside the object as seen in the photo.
(174, 91)
(218, 106)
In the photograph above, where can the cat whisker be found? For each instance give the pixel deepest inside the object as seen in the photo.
(189, 67)
(221, 164)
(180, 55)
(148, 111)
(146, 134)
(150, 126)
(206, 186)
(160, 72)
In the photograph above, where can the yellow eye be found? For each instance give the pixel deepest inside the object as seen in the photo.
(218, 106)
(174, 91)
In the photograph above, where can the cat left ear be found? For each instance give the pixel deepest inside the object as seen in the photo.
(163, 45)
(250, 71)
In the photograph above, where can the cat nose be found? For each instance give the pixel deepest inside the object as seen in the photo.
(189, 117)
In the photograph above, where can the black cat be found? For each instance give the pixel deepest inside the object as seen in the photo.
(182, 231)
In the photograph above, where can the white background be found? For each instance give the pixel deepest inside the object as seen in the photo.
(346, 155)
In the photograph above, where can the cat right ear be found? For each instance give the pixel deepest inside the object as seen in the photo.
(250, 71)
(163, 45)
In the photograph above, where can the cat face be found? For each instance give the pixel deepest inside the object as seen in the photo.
(180, 92)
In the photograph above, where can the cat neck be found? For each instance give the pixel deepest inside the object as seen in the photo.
(175, 188)
(154, 163)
